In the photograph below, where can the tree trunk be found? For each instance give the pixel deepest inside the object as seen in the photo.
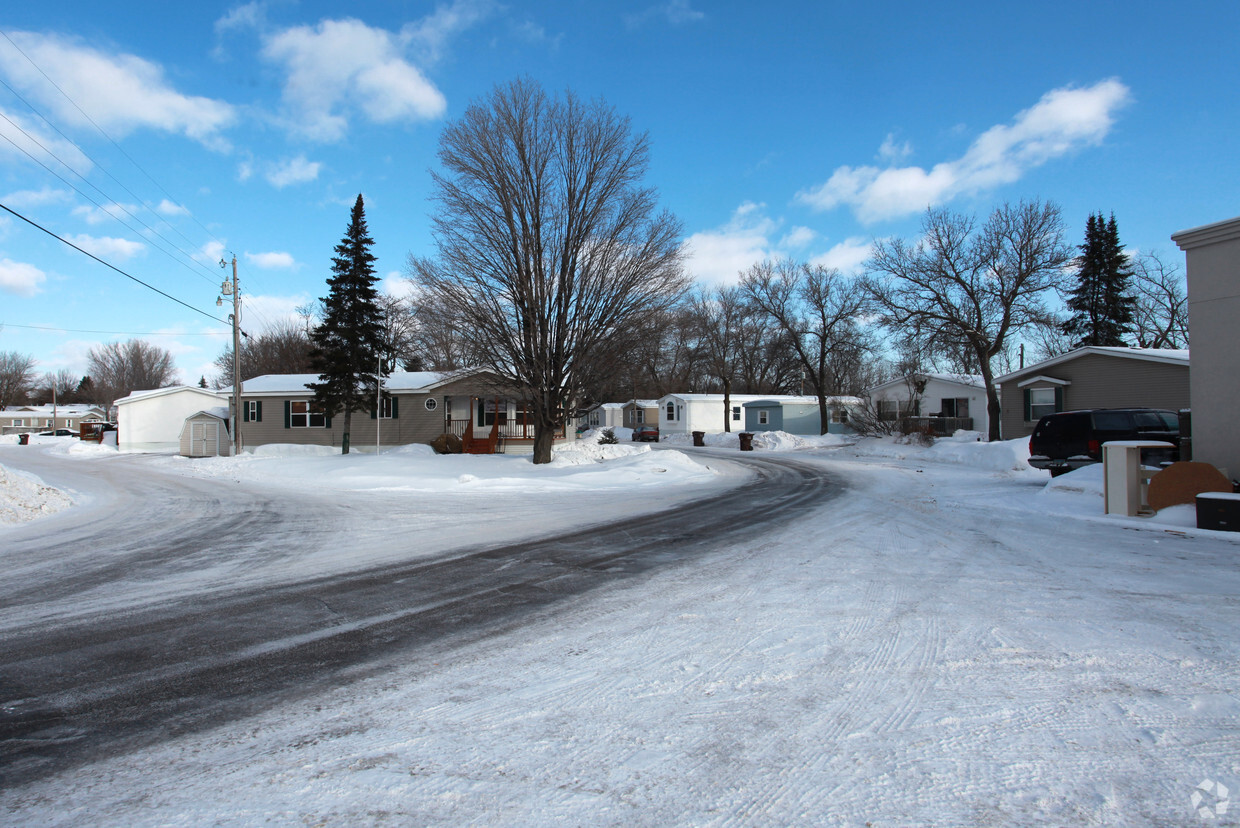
(348, 419)
(824, 419)
(992, 409)
(727, 405)
(544, 438)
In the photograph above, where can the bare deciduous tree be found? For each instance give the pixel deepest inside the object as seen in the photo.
(119, 368)
(972, 286)
(549, 246)
(819, 310)
(1160, 319)
(59, 386)
(283, 348)
(16, 377)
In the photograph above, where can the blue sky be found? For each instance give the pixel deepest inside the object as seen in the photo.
(803, 129)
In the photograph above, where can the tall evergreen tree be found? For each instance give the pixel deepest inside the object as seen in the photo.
(348, 342)
(1101, 304)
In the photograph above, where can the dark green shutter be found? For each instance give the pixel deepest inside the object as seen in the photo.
(1058, 398)
(327, 422)
(245, 411)
(373, 413)
(395, 413)
(1028, 406)
(258, 411)
(288, 413)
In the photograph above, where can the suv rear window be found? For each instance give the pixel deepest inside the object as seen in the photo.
(1112, 421)
(1056, 426)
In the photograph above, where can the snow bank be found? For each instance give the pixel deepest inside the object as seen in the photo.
(964, 448)
(25, 497)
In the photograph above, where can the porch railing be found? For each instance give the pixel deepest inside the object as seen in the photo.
(508, 431)
(939, 426)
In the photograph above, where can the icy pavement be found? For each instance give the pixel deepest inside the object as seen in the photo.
(953, 642)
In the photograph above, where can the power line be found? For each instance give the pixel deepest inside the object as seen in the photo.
(111, 266)
(104, 133)
(113, 333)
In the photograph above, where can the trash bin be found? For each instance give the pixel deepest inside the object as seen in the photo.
(746, 439)
(23, 439)
(699, 438)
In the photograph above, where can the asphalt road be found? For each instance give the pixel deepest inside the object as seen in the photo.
(117, 677)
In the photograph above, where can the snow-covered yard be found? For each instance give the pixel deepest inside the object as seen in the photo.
(953, 641)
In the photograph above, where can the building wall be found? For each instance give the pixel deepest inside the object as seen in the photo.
(1213, 256)
(1098, 381)
(154, 423)
(413, 423)
(223, 445)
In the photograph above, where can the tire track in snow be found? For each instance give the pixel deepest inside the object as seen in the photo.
(108, 683)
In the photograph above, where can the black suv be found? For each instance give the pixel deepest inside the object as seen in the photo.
(1068, 440)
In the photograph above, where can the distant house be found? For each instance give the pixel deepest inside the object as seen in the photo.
(952, 401)
(640, 412)
(25, 419)
(686, 413)
(152, 420)
(800, 415)
(606, 415)
(1093, 377)
(416, 407)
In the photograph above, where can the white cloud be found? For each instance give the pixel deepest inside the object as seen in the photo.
(259, 311)
(798, 237)
(106, 247)
(293, 171)
(271, 261)
(718, 256)
(246, 16)
(120, 92)
(37, 198)
(245, 171)
(891, 151)
(212, 253)
(676, 12)
(24, 139)
(397, 285)
(108, 212)
(168, 208)
(429, 36)
(340, 63)
(20, 278)
(1065, 120)
(847, 256)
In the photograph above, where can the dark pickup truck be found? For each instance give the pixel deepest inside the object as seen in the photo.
(1068, 440)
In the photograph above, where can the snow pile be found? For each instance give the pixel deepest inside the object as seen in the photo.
(964, 448)
(25, 497)
(583, 466)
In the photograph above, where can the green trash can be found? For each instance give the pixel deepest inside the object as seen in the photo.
(23, 439)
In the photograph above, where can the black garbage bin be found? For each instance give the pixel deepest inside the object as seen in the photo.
(746, 439)
(699, 438)
(23, 439)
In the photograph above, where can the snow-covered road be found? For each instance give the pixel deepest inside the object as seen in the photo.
(942, 644)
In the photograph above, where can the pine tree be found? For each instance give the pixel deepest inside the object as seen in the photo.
(1102, 307)
(348, 342)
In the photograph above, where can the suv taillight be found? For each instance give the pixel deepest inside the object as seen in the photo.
(1095, 447)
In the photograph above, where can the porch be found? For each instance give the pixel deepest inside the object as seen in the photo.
(497, 426)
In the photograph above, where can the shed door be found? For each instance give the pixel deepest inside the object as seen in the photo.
(204, 439)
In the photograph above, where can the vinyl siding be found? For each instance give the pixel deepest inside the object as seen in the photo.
(413, 423)
(1100, 381)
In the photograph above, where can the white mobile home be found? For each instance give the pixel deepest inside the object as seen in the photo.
(153, 420)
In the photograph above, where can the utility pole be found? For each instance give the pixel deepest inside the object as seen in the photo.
(235, 318)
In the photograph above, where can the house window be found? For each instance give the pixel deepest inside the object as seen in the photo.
(954, 407)
(431, 403)
(385, 408)
(253, 411)
(671, 412)
(639, 416)
(1041, 403)
(49, 423)
(736, 412)
(764, 417)
(17, 423)
(300, 416)
(839, 416)
(489, 411)
(895, 409)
